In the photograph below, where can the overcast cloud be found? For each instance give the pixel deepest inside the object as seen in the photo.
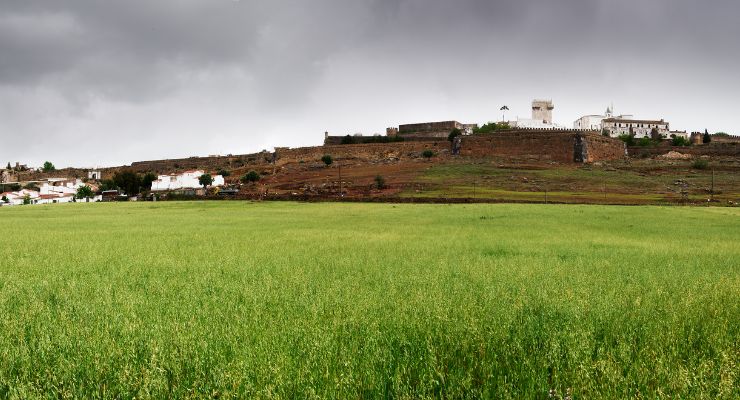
(100, 83)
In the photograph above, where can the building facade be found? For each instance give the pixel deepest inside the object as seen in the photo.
(640, 128)
(185, 180)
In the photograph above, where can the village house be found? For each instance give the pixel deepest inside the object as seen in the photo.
(185, 180)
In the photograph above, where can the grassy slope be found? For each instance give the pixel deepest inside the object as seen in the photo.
(636, 182)
(355, 300)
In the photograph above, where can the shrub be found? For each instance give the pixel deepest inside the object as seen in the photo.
(453, 134)
(251, 176)
(224, 173)
(700, 163)
(327, 159)
(645, 141)
(379, 182)
(679, 141)
(628, 139)
(427, 153)
(5, 199)
(491, 127)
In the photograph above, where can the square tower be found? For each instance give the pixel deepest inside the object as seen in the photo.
(542, 110)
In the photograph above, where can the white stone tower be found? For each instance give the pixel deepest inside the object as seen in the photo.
(542, 110)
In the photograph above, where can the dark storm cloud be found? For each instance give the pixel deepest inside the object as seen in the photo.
(185, 77)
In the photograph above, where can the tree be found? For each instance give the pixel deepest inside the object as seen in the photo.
(453, 134)
(380, 182)
(128, 181)
(26, 200)
(8, 167)
(48, 167)
(205, 180)
(327, 159)
(251, 176)
(5, 199)
(147, 179)
(84, 192)
(427, 153)
(108, 184)
(706, 138)
(224, 173)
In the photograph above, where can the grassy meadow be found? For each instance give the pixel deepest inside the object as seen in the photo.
(345, 301)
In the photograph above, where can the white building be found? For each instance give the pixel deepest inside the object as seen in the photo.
(60, 186)
(594, 122)
(541, 117)
(19, 197)
(639, 127)
(185, 180)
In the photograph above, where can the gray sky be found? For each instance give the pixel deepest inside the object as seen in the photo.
(94, 82)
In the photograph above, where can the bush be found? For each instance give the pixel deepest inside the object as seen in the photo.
(251, 176)
(224, 173)
(700, 164)
(679, 141)
(379, 182)
(491, 127)
(645, 141)
(629, 140)
(453, 134)
(427, 153)
(327, 159)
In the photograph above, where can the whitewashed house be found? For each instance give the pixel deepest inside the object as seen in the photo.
(60, 186)
(18, 198)
(185, 180)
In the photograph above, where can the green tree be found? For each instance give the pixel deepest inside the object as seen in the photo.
(453, 134)
(128, 181)
(707, 137)
(84, 192)
(5, 199)
(327, 159)
(8, 167)
(427, 153)
(26, 200)
(205, 180)
(48, 167)
(108, 184)
(251, 176)
(224, 173)
(147, 179)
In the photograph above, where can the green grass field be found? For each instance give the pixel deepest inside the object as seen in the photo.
(291, 300)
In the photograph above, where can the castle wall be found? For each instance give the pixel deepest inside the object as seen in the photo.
(545, 145)
(361, 152)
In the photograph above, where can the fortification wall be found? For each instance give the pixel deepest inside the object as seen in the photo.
(362, 152)
(565, 146)
(600, 148)
(725, 149)
(204, 163)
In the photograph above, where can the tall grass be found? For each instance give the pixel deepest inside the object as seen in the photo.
(288, 300)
